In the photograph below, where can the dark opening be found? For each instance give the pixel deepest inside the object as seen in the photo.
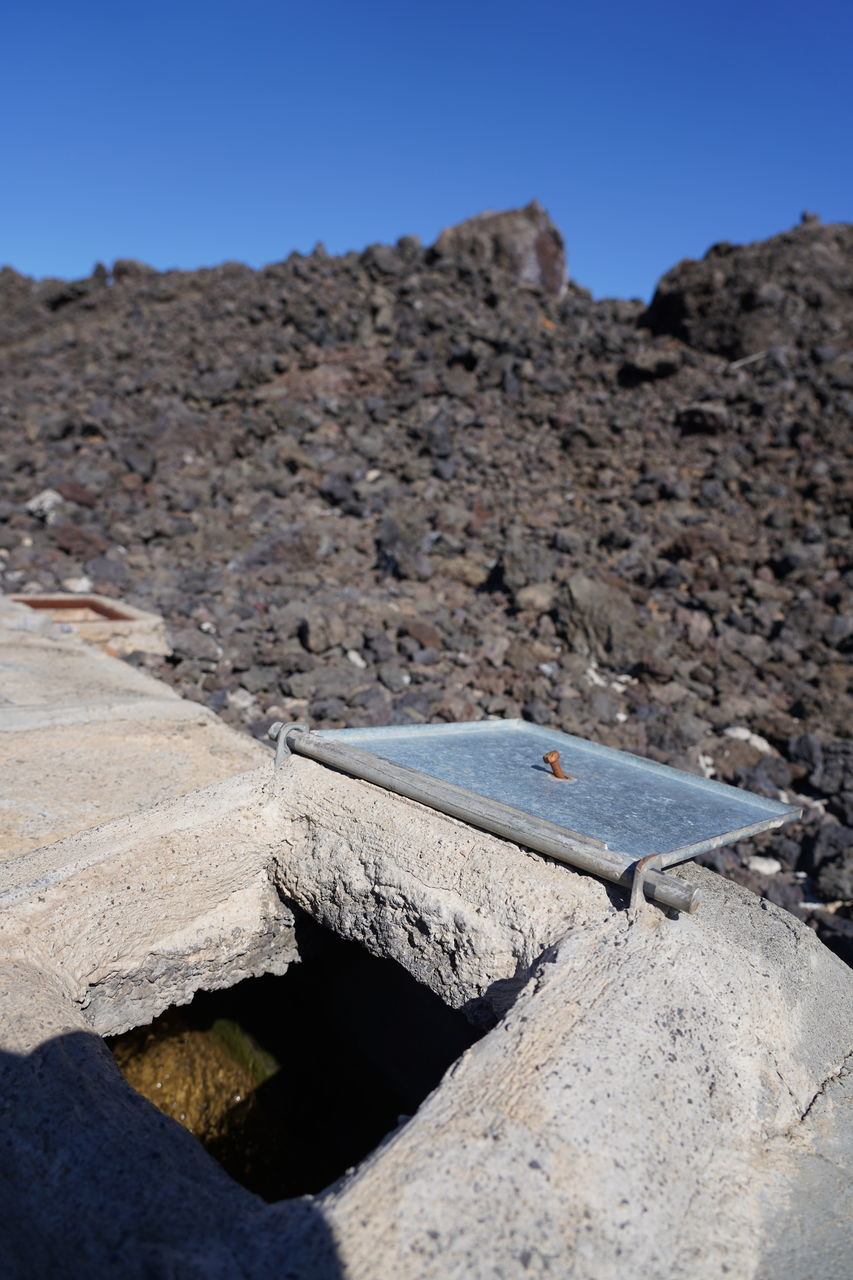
(290, 1081)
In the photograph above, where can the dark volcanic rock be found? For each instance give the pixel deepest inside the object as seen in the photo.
(523, 242)
(793, 290)
(599, 619)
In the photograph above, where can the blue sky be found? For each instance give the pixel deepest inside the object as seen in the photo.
(186, 133)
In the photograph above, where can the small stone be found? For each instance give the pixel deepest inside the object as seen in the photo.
(190, 642)
(45, 505)
(537, 711)
(393, 676)
(79, 586)
(241, 699)
(538, 597)
(703, 418)
(764, 866)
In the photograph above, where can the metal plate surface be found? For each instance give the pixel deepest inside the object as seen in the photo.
(635, 806)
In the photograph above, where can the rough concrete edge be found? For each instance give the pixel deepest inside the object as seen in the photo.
(465, 912)
(30, 874)
(145, 910)
(86, 655)
(219, 951)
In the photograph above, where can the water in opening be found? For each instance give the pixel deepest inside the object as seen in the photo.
(290, 1081)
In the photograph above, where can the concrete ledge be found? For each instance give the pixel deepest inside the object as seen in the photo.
(84, 738)
(139, 913)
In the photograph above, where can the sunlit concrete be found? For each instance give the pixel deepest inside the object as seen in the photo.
(655, 1096)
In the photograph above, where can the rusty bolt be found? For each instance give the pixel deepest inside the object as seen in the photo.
(553, 759)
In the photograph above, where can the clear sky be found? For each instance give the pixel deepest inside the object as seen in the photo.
(189, 132)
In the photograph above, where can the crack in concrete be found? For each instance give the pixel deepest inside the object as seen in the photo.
(834, 1078)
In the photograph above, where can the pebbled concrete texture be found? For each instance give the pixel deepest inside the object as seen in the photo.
(655, 1096)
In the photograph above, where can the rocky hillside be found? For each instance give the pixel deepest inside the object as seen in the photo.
(417, 484)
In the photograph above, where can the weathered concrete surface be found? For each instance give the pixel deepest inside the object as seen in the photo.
(466, 913)
(84, 738)
(139, 913)
(656, 1098)
(805, 1189)
(664, 1098)
(617, 1120)
(650, 1104)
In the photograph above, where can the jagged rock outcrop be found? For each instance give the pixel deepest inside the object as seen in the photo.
(794, 290)
(524, 242)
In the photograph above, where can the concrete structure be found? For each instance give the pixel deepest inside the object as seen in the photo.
(659, 1097)
(118, 628)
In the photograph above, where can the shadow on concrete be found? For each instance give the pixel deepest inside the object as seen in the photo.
(94, 1181)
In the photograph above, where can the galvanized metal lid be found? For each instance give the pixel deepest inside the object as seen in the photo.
(602, 811)
(633, 806)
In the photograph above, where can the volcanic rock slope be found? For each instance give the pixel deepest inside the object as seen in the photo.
(419, 484)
